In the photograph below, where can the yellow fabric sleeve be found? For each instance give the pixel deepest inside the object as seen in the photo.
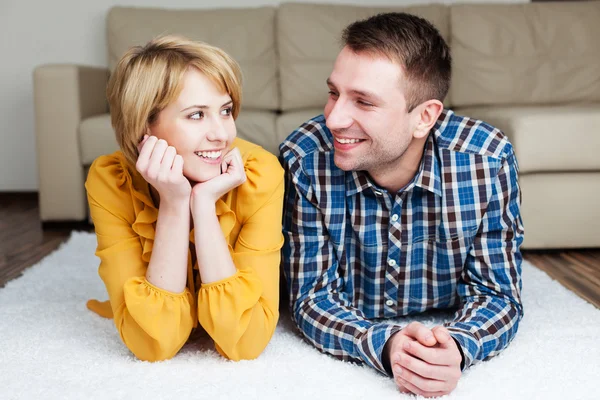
(153, 323)
(241, 312)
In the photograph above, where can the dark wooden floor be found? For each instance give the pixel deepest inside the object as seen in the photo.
(22, 240)
(23, 243)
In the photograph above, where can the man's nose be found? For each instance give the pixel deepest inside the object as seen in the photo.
(340, 116)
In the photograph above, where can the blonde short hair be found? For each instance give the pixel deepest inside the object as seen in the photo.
(148, 78)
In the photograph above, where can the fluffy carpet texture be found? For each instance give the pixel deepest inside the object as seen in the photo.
(52, 347)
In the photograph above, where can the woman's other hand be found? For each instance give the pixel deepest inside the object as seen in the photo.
(232, 176)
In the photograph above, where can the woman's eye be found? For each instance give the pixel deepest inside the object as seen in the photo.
(227, 111)
(197, 115)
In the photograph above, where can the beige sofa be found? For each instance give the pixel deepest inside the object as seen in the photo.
(532, 70)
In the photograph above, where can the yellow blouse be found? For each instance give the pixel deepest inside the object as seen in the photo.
(239, 313)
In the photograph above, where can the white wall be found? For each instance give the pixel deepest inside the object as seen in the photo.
(69, 31)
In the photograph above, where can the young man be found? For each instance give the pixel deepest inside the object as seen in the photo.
(395, 206)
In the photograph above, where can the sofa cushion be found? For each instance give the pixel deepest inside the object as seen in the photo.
(308, 40)
(258, 127)
(98, 138)
(248, 35)
(288, 122)
(548, 138)
(560, 210)
(535, 53)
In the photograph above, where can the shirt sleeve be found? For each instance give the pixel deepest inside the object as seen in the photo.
(241, 312)
(153, 323)
(321, 309)
(490, 286)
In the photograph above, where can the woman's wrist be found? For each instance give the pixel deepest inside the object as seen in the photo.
(175, 206)
(203, 207)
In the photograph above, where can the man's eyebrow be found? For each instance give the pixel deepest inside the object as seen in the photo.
(357, 92)
(364, 93)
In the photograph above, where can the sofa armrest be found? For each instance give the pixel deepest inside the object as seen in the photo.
(64, 95)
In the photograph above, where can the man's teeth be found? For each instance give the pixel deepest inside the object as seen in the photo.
(347, 141)
(209, 154)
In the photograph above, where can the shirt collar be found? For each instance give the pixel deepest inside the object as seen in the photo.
(428, 176)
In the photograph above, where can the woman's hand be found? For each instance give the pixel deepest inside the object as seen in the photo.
(162, 167)
(232, 175)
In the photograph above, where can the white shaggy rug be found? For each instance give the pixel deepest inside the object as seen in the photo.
(52, 347)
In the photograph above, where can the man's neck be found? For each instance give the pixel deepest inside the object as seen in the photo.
(397, 175)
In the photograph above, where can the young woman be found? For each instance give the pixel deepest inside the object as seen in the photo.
(187, 217)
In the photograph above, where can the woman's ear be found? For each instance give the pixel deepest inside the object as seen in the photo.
(428, 114)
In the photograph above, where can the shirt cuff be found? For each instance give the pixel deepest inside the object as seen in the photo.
(468, 346)
(371, 344)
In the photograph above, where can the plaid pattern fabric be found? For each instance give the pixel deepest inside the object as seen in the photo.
(354, 253)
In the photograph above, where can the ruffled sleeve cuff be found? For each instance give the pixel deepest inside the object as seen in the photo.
(225, 307)
(165, 316)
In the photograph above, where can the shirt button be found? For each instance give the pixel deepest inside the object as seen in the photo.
(389, 303)
(391, 263)
(395, 217)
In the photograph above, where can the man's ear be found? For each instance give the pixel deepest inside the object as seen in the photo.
(428, 114)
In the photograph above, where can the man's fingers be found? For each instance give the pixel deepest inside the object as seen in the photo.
(421, 333)
(402, 388)
(425, 384)
(425, 369)
(432, 355)
(441, 334)
(414, 389)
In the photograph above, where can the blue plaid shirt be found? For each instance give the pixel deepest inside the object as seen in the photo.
(355, 253)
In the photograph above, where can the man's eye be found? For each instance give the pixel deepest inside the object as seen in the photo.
(364, 103)
(227, 111)
(332, 93)
(197, 115)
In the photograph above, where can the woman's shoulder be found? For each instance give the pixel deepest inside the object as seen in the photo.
(109, 181)
(263, 172)
(260, 163)
(109, 169)
(254, 153)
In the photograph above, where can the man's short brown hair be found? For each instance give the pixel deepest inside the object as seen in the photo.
(412, 42)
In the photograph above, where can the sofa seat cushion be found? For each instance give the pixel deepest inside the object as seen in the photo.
(97, 136)
(560, 210)
(548, 138)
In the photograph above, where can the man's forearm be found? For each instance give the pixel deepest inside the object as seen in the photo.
(342, 331)
(484, 327)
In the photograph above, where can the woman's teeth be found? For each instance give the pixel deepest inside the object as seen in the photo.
(209, 154)
(348, 141)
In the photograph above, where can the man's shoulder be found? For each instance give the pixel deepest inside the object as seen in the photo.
(469, 136)
(310, 138)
